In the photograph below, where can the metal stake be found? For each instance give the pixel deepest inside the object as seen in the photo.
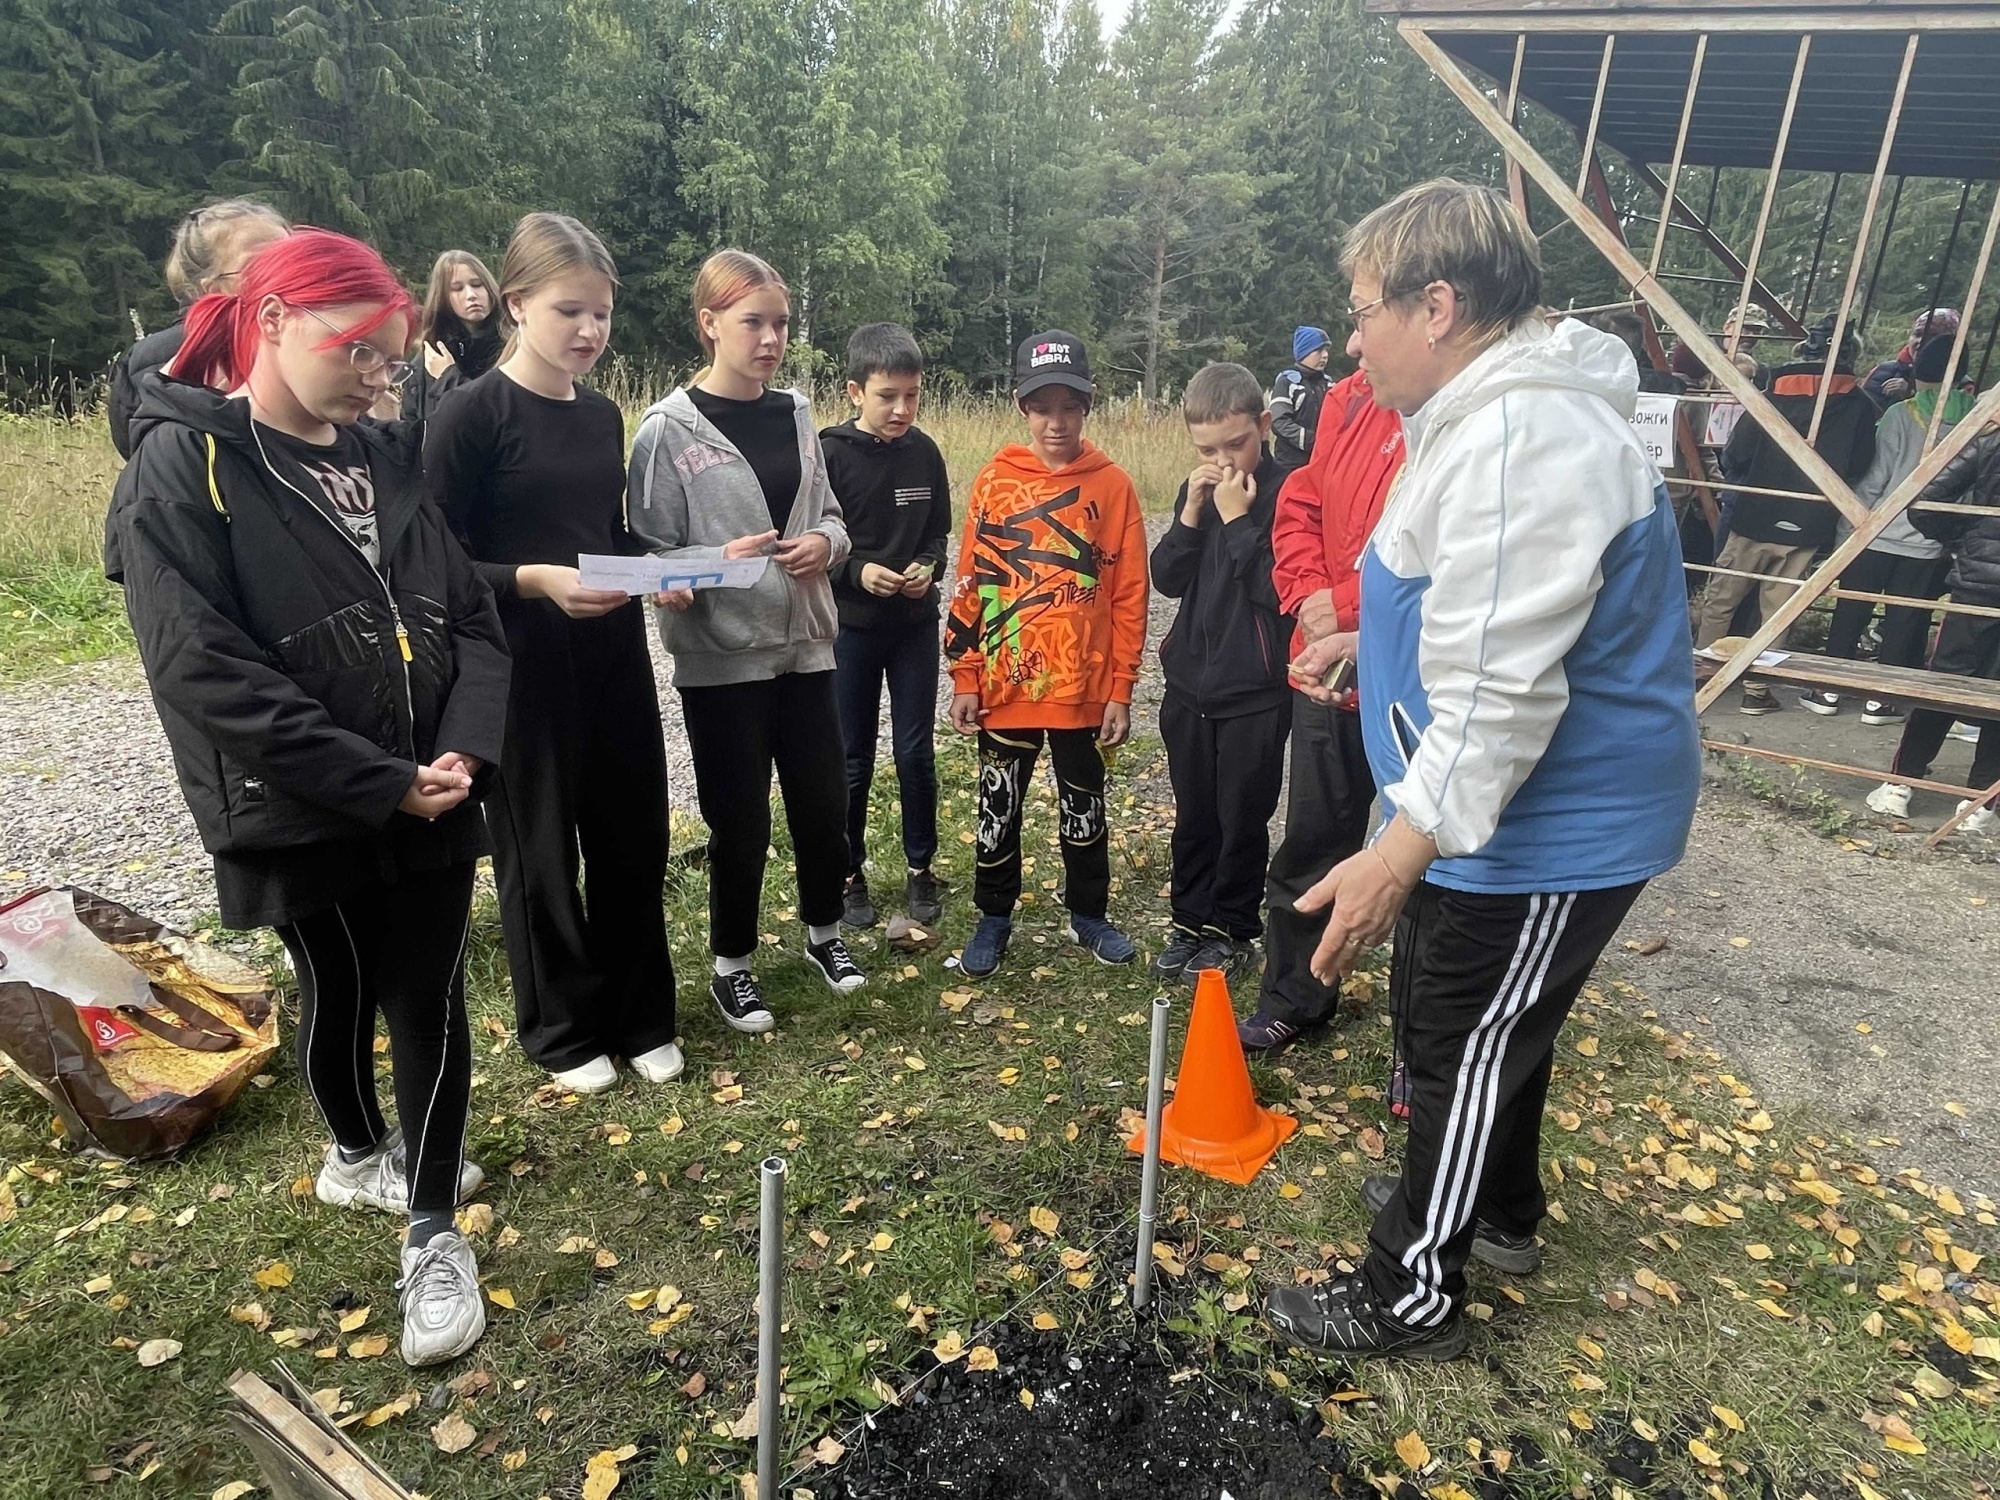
(770, 1314)
(1149, 1170)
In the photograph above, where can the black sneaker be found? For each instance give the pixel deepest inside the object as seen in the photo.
(1172, 962)
(1757, 700)
(1875, 711)
(1516, 1254)
(923, 894)
(835, 965)
(1820, 702)
(1340, 1316)
(1265, 1035)
(857, 908)
(1234, 957)
(741, 1002)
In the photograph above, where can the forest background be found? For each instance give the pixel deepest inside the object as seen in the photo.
(1174, 192)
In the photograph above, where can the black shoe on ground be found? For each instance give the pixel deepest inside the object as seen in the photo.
(836, 966)
(1516, 1254)
(1820, 702)
(1235, 957)
(1757, 700)
(1172, 962)
(1340, 1317)
(857, 907)
(923, 894)
(1265, 1035)
(1875, 711)
(741, 1002)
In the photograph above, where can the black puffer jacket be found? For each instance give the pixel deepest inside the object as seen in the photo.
(1846, 441)
(1971, 478)
(276, 653)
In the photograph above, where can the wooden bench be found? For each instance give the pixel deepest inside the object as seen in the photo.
(1963, 697)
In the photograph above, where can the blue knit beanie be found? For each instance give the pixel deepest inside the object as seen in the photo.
(1306, 338)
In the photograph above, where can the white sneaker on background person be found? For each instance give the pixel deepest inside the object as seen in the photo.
(1891, 800)
(1960, 730)
(1984, 820)
(444, 1312)
(662, 1064)
(382, 1178)
(598, 1076)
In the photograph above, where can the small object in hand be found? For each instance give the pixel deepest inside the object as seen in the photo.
(1339, 677)
(921, 569)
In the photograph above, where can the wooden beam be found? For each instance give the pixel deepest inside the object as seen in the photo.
(1767, 299)
(1680, 149)
(1517, 185)
(1757, 407)
(1484, 19)
(1748, 271)
(1846, 309)
(1596, 113)
(1972, 292)
(1785, 757)
(1972, 805)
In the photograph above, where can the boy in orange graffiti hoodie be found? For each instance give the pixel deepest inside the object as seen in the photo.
(1048, 624)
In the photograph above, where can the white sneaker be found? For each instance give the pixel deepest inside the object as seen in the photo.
(381, 1179)
(444, 1312)
(1890, 799)
(1985, 820)
(661, 1065)
(597, 1076)
(1960, 730)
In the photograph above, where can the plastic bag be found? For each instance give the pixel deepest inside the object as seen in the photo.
(136, 1035)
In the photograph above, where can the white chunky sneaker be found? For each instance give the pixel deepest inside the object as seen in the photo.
(1985, 820)
(381, 1179)
(661, 1065)
(597, 1076)
(444, 1312)
(1891, 800)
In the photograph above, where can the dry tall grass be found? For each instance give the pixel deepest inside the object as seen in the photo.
(55, 481)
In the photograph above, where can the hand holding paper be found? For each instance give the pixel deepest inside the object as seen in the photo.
(660, 575)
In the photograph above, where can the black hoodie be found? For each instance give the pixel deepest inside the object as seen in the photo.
(1225, 653)
(300, 687)
(473, 353)
(896, 500)
(144, 357)
(1846, 441)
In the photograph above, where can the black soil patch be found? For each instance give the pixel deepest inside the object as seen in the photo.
(1109, 1420)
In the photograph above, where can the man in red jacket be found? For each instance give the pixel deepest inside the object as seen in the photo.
(1326, 512)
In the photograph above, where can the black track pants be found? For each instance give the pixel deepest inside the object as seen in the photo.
(1226, 775)
(579, 821)
(398, 950)
(1483, 985)
(1326, 819)
(737, 733)
(1006, 770)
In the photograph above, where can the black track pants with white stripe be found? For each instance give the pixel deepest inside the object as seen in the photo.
(397, 951)
(1483, 984)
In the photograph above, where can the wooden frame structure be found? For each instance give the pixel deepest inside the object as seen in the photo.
(1845, 87)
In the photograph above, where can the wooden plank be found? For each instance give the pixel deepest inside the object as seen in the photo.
(1967, 697)
(1517, 185)
(1955, 363)
(336, 1461)
(1471, 17)
(1838, 768)
(1680, 148)
(1767, 299)
(1748, 269)
(1990, 798)
(1596, 114)
(288, 1473)
(302, 1399)
(1836, 12)
(1756, 405)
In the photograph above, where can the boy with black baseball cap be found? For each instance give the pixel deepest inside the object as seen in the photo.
(1048, 623)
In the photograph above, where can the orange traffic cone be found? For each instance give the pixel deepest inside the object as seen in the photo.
(1214, 1123)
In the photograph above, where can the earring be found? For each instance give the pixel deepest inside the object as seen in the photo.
(1431, 343)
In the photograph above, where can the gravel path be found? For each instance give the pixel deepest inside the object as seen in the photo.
(1865, 984)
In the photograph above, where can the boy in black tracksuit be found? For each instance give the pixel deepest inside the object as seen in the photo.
(1227, 706)
(893, 490)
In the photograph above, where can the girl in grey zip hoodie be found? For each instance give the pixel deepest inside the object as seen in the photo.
(754, 667)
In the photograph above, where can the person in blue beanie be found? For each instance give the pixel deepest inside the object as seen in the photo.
(1296, 396)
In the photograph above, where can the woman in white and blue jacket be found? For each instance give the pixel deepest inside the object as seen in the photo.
(1527, 701)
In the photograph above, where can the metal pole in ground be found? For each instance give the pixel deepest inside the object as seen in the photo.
(770, 1314)
(1149, 1170)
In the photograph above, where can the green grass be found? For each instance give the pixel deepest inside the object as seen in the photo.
(1640, 1313)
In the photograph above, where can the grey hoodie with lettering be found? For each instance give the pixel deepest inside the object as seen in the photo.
(690, 494)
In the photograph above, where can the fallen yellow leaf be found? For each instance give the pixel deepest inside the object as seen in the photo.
(273, 1276)
(950, 1347)
(372, 1347)
(499, 1296)
(1413, 1450)
(1703, 1454)
(1046, 1322)
(1047, 1220)
(353, 1319)
(1727, 1417)
(979, 1357)
(454, 1434)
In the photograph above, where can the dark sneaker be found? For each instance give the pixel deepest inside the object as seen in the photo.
(1399, 1092)
(836, 965)
(857, 907)
(986, 948)
(923, 894)
(1757, 700)
(1234, 957)
(1106, 943)
(1516, 1254)
(740, 1001)
(1340, 1317)
(1875, 711)
(1820, 702)
(1265, 1035)
(1172, 962)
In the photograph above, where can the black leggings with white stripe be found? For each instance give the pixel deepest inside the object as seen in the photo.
(1481, 985)
(398, 950)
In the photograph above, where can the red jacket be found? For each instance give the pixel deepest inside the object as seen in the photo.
(1328, 509)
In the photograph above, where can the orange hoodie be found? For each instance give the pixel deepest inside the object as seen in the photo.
(1048, 621)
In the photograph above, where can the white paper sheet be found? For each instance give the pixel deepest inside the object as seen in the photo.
(1764, 658)
(650, 575)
